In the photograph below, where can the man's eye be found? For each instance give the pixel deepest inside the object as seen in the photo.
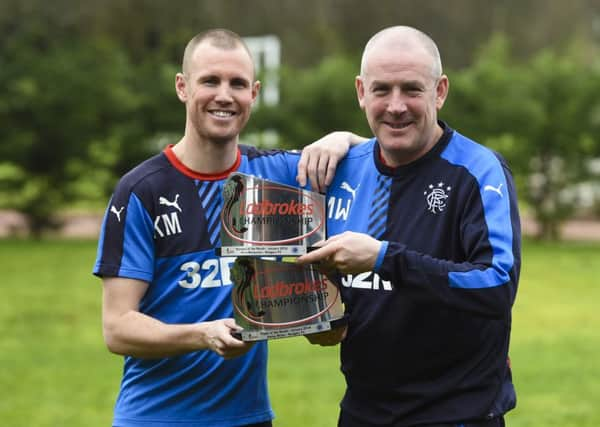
(239, 84)
(413, 90)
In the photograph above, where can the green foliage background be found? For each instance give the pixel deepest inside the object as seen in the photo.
(56, 371)
(88, 92)
(78, 113)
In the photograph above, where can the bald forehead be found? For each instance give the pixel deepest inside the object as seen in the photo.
(405, 40)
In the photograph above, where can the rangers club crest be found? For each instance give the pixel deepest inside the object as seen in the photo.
(436, 196)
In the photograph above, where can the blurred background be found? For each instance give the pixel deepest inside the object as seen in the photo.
(88, 88)
(87, 92)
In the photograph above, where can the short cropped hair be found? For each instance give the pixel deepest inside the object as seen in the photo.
(218, 37)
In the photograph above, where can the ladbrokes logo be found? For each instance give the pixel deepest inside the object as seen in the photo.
(277, 294)
(268, 208)
(269, 214)
(281, 289)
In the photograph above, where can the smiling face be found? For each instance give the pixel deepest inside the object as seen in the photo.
(400, 93)
(218, 90)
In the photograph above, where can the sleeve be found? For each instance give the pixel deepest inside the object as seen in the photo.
(126, 244)
(290, 160)
(485, 279)
(276, 165)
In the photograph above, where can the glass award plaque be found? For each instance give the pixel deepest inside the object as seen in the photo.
(262, 218)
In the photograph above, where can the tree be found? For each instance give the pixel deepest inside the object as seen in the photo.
(314, 101)
(61, 102)
(542, 114)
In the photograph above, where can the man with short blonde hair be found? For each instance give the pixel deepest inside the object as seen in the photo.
(166, 294)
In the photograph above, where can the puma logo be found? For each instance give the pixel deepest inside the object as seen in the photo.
(163, 201)
(494, 189)
(114, 210)
(346, 186)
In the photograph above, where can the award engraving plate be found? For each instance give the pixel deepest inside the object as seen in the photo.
(264, 218)
(279, 299)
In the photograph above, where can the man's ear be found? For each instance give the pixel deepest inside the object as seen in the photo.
(441, 91)
(181, 87)
(360, 91)
(255, 90)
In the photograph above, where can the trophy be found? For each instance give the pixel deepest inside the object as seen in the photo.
(279, 299)
(264, 218)
(266, 224)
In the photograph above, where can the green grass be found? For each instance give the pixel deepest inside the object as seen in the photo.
(55, 370)
(556, 337)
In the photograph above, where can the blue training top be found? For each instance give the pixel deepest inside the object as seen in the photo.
(162, 226)
(429, 330)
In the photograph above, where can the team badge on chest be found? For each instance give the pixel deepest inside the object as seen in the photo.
(436, 196)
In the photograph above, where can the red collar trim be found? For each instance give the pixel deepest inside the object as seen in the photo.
(382, 160)
(197, 175)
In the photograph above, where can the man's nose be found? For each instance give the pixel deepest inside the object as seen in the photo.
(396, 103)
(224, 94)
